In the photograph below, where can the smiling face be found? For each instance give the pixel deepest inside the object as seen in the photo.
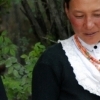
(84, 16)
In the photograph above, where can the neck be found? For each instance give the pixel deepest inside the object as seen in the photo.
(88, 43)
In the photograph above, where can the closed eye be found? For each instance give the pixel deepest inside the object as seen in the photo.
(79, 16)
(97, 15)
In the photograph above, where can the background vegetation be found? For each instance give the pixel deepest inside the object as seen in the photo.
(20, 47)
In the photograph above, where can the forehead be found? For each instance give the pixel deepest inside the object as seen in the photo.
(84, 4)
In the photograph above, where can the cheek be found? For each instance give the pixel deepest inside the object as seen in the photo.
(97, 23)
(76, 23)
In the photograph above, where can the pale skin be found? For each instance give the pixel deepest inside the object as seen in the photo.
(84, 16)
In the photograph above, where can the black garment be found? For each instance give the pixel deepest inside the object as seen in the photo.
(2, 91)
(53, 78)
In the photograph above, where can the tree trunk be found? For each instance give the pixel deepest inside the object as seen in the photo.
(54, 13)
(32, 19)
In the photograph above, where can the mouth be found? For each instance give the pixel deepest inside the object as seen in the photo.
(91, 33)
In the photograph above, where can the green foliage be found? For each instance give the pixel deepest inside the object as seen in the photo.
(4, 5)
(7, 48)
(24, 42)
(18, 76)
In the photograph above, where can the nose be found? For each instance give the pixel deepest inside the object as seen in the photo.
(89, 23)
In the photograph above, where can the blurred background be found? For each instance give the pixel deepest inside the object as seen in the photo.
(27, 29)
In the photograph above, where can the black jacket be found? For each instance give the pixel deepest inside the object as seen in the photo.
(53, 78)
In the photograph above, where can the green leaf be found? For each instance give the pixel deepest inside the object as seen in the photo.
(27, 60)
(13, 59)
(24, 56)
(12, 52)
(17, 66)
(5, 50)
(15, 72)
(13, 46)
(31, 53)
(23, 80)
(4, 33)
(7, 40)
(21, 71)
(8, 63)
(10, 70)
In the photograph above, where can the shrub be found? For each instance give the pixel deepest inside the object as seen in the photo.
(17, 79)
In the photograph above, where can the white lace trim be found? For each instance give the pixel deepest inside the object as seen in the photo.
(83, 75)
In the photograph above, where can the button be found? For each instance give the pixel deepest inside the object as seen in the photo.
(95, 47)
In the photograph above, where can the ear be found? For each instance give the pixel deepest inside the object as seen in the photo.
(66, 10)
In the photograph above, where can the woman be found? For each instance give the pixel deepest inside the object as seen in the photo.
(70, 70)
(2, 89)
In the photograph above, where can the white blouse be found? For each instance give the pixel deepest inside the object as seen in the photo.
(86, 73)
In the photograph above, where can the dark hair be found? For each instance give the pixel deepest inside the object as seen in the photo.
(2, 69)
(67, 2)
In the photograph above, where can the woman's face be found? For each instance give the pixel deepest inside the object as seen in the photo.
(84, 16)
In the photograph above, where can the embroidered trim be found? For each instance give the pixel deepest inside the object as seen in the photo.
(83, 76)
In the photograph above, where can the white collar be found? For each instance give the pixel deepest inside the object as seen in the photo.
(86, 74)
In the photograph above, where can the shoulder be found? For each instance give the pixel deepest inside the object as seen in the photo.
(52, 53)
(53, 49)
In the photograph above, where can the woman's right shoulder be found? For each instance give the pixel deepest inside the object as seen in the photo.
(53, 50)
